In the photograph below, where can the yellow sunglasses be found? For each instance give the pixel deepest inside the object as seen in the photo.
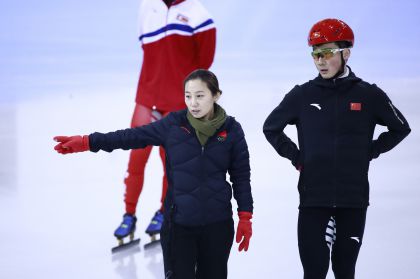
(325, 53)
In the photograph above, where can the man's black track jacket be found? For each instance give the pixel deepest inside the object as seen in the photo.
(335, 121)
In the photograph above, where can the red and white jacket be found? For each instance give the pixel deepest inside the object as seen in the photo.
(175, 41)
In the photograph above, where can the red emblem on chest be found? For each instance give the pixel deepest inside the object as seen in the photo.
(222, 136)
(356, 106)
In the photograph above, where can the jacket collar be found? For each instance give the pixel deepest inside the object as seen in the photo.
(350, 78)
(183, 120)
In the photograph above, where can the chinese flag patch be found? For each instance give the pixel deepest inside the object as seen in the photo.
(356, 106)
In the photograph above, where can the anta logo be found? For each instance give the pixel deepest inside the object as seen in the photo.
(356, 106)
(316, 105)
(182, 18)
(356, 238)
(222, 136)
(185, 129)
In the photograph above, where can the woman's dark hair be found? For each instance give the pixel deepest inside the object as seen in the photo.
(207, 77)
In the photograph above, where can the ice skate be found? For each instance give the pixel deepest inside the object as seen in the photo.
(154, 229)
(126, 229)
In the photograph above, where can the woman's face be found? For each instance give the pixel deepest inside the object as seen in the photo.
(199, 100)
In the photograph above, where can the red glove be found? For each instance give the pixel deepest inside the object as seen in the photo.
(244, 231)
(71, 144)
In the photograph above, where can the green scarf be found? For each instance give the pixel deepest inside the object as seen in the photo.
(207, 128)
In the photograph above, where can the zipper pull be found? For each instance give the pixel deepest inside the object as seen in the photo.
(202, 150)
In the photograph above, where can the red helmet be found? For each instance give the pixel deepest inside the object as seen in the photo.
(330, 30)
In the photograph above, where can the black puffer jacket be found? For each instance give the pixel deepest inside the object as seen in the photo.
(335, 120)
(198, 193)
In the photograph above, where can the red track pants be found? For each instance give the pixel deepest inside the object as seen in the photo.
(138, 159)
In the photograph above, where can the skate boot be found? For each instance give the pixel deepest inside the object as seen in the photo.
(154, 228)
(127, 228)
(156, 223)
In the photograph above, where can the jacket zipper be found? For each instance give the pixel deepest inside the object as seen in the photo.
(201, 185)
(335, 150)
(203, 173)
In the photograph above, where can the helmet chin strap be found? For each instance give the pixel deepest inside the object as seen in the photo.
(341, 70)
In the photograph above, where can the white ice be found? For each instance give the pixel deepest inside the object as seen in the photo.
(71, 67)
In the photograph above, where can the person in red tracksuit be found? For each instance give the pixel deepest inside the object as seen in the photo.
(177, 37)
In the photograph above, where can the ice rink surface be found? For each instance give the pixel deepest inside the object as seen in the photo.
(71, 67)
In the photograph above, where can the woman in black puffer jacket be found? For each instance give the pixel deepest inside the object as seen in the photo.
(202, 145)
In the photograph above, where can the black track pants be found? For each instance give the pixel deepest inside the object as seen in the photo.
(313, 248)
(200, 252)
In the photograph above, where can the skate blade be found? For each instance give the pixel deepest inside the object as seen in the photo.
(152, 244)
(125, 246)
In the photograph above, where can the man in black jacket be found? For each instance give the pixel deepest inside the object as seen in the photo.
(335, 115)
